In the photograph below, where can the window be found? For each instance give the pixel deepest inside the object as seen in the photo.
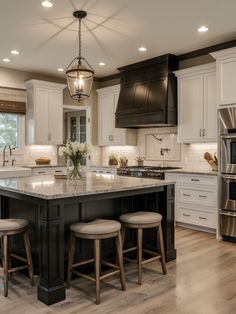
(10, 130)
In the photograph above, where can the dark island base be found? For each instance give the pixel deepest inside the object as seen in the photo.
(49, 222)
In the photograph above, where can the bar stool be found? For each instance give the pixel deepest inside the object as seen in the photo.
(10, 227)
(96, 230)
(140, 221)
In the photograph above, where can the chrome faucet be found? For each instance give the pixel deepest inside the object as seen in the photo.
(164, 150)
(4, 161)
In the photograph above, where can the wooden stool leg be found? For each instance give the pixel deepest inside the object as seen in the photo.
(123, 230)
(5, 269)
(97, 268)
(140, 254)
(120, 260)
(28, 256)
(71, 254)
(161, 248)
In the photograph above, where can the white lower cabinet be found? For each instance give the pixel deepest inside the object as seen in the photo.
(196, 204)
(48, 170)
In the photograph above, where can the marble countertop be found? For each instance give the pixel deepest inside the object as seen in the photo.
(47, 187)
(193, 170)
(43, 166)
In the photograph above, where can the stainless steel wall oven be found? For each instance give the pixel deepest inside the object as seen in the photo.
(227, 131)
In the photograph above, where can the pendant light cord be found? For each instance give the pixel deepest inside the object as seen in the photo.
(79, 41)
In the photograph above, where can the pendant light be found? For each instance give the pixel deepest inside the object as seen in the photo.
(79, 73)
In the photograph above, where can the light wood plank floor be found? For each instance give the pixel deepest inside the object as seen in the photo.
(201, 281)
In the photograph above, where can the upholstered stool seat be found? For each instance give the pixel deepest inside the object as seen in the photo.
(141, 218)
(140, 221)
(11, 227)
(96, 230)
(12, 224)
(96, 227)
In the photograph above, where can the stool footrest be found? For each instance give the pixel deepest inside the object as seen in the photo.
(151, 259)
(109, 274)
(134, 261)
(20, 258)
(83, 263)
(110, 265)
(12, 270)
(130, 249)
(151, 252)
(83, 275)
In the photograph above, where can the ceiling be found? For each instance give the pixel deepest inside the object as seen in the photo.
(112, 32)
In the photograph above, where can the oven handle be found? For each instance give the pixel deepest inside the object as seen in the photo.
(226, 213)
(229, 178)
(228, 136)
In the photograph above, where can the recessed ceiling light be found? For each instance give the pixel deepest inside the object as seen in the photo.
(14, 52)
(60, 70)
(203, 29)
(47, 4)
(6, 60)
(102, 64)
(142, 49)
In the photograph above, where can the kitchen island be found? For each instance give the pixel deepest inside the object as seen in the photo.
(51, 205)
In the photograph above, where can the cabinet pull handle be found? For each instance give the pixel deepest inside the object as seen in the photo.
(200, 132)
(49, 136)
(186, 194)
(195, 180)
(203, 218)
(186, 215)
(110, 137)
(204, 132)
(202, 196)
(41, 172)
(58, 171)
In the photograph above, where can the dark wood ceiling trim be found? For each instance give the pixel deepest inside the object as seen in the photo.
(108, 78)
(206, 50)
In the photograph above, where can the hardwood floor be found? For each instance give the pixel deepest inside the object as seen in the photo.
(201, 281)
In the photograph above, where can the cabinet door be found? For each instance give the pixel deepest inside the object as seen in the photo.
(190, 109)
(106, 119)
(119, 134)
(41, 116)
(210, 107)
(226, 81)
(55, 117)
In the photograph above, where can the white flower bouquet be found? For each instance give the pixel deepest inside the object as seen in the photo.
(74, 152)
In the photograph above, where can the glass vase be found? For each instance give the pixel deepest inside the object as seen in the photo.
(74, 170)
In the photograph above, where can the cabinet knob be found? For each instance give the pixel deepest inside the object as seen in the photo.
(200, 132)
(203, 132)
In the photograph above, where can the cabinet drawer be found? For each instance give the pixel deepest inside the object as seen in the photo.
(185, 215)
(202, 197)
(205, 219)
(197, 180)
(196, 217)
(49, 171)
(171, 176)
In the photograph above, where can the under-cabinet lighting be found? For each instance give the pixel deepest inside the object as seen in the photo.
(6, 60)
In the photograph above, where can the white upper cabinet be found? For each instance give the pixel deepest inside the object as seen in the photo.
(226, 76)
(44, 114)
(197, 113)
(108, 134)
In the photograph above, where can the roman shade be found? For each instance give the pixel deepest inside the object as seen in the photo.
(12, 100)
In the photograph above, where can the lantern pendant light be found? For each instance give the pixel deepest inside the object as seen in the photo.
(79, 73)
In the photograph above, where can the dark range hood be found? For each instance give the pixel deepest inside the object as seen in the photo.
(148, 96)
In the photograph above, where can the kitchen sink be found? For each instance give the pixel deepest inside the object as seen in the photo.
(14, 172)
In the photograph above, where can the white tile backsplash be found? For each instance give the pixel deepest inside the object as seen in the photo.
(191, 154)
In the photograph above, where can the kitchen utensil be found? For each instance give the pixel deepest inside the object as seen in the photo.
(123, 161)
